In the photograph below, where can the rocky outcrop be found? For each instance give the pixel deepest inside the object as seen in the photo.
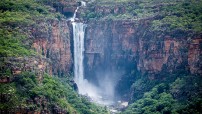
(195, 55)
(126, 45)
(54, 44)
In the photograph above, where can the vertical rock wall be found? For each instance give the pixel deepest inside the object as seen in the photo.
(126, 45)
(54, 44)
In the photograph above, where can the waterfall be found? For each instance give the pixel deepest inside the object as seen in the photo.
(78, 34)
(78, 37)
(74, 16)
(84, 87)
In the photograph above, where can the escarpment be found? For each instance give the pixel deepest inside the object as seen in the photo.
(130, 46)
(117, 43)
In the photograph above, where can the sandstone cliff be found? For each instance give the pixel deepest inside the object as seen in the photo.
(54, 44)
(116, 43)
(131, 47)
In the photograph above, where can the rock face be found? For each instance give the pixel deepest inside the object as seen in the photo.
(194, 55)
(54, 43)
(125, 45)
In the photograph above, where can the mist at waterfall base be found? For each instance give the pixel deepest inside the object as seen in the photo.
(101, 93)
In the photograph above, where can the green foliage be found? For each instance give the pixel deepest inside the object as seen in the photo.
(57, 92)
(25, 83)
(15, 18)
(166, 15)
(11, 44)
(91, 15)
(142, 85)
(184, 16)
(176, 85)
(157, 101)
(29, 7)
(11, 97)
(181, 94)
(52, 90)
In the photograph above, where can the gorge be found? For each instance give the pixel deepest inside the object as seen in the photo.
(98, 56)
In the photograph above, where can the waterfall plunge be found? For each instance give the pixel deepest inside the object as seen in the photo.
(84, 87)
(78, 32)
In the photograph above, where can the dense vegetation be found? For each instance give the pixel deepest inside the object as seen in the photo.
(15, 19)
(165, 15)
(169, 93)
(26, 91)
(11, 44)
(181, 96)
